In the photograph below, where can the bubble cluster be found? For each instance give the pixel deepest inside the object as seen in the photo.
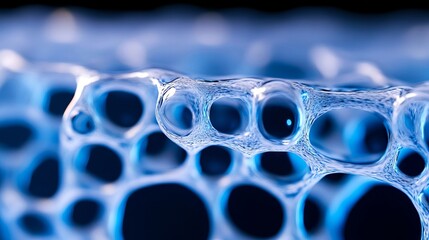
(33, 98)
(155, 154)
(247, 151)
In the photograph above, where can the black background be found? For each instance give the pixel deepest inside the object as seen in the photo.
(264, 5)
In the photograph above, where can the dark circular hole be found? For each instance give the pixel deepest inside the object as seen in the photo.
(312, 215)
(45, 178)
(255, 211)
(124, 109)
(14, 136)
(376, 137)
(282, 165)
(279, 118)
(156, 143)
(165, 211)
(160, 154)
(85, 212)
(226, 115)
(215, 160)
(82, 123)
(101, 162)
(383, 212)
(411, 163)
(58, 101)
(277, 163)
(35, 224)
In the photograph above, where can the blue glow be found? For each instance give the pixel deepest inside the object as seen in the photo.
(345, 103)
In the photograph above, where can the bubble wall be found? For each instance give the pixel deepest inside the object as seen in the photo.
(197, 125)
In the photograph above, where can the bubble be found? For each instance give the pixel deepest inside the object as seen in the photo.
(313, 215)
(410, 162)
(228, 115)
(359, 136)
(122, 108)
(282, 166)
(101, 162)
(83, 123)
(35, 224)
(215, 161)
(44, 180)
(150, 210)
(58, 100)
(383, 212)
(158, 154)
(15, 135)
(179, 111)
(254, 211)
(84, 212)
(278, 119)
(163, 155)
